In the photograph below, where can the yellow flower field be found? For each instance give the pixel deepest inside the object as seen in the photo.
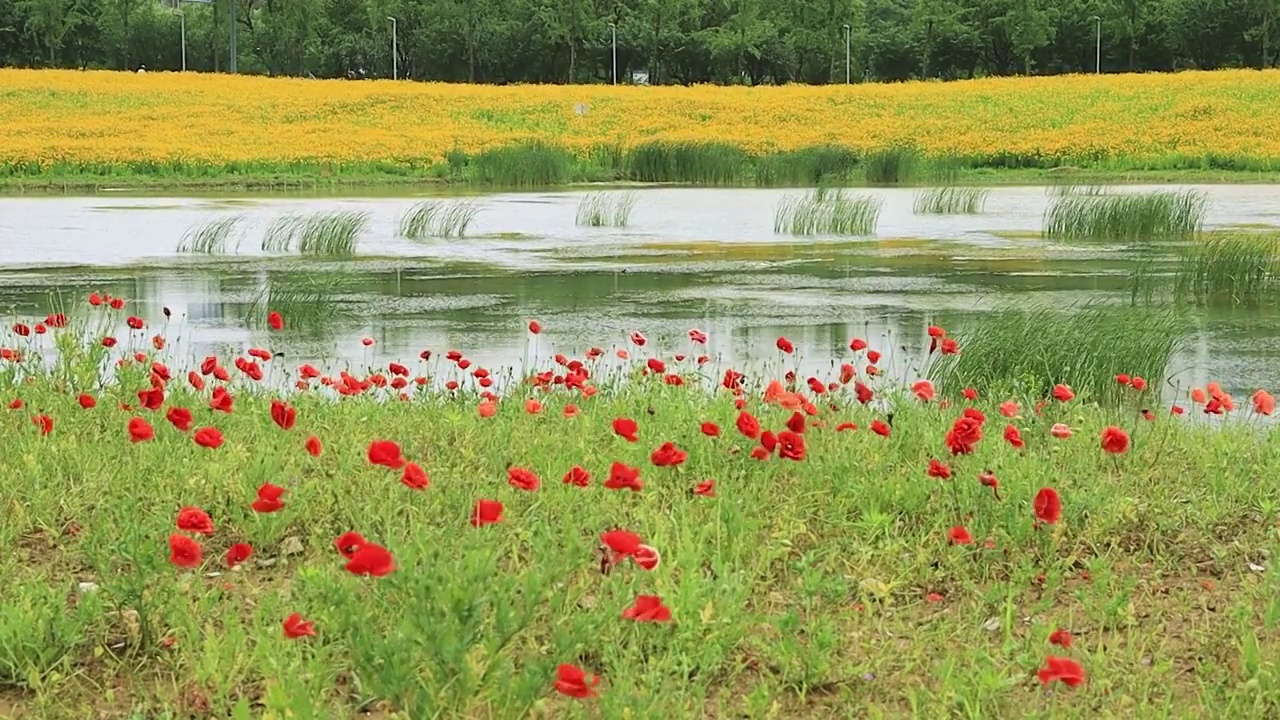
(77, 119)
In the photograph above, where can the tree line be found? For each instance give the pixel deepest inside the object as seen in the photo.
(665, 41)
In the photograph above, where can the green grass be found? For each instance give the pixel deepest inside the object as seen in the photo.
(808, 166)
(1028, 352)
(1237, 267)
(522, 166)
(826, 212)
(703, 163)
(1126, 216)
(438, 218)
(210, 237)
(892, 166)
(323, 234)
(805, 589)
(606, 209)
(950, 200)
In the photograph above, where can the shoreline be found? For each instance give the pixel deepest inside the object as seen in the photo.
(404, 185)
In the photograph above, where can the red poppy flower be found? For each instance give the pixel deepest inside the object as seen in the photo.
(1060, 637)
(221, 400)
(572, 681)
(140, 430)
(385, 453)
(958, 535)
(846, 426)
(655, 365)
(988, 479)
(414, 477)
(44, 422)
(1115, 440)
(275, 321)
(283, 415)
(535, 327)
(208, 437)
(697, 336)
(647, 558)
(857, 344)
(1061, 668)
(1013, 436)
(1264, 403)
(268, 500)
(923, 389)
(791, 445)
(638, 338)
(710, 429)
(949, 346)
(621, 542)
(1123, 379)
(873, 356)
(1138, 383)
(785, 345)
(348, 543)
(314, 447)
(627, 429)
(748, 425)
(87, 401)
(1048, 506)
(486, 512)
(863, 392)
(488, 408)
(151, 399)
(623, 477)
(522, 479)
(1062, 393)
(880, 428)
(134, 323)
(194, 520)
(295, 627)
(366, 341)
(1177, 409)
(964, 436)
(648, 608)
(184, 552)
(180, 418)
(22, 329)
(706, 488)
(263, 355)
(796, 423)
(371, 560)
(969, 394)
(237, 554)
(938, 470)
(668, 455)
(95, 299)
(577, 476)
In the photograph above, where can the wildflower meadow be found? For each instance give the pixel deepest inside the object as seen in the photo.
(626, 531)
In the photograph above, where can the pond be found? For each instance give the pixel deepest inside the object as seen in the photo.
(704, 258)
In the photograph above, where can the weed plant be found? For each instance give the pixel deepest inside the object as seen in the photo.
(606, 209)
(323, 234)
(891, 166)
(826, 212)
(950, 201)
(1127, 216)
(701, 163)
(210, 237)
(438, 218)
(1236, 267)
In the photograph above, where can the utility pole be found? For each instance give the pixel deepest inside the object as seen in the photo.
(232, 66)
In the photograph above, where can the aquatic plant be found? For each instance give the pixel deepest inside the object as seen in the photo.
(827, 212)
(210, 237)
(807, 166)
(1028, 352)
(437, 218)
(894, 165)
(328, 234)
(951, 200)
(524, 165)
(1238, 267)
(703, 163)
(1128, 216)
(606, 209)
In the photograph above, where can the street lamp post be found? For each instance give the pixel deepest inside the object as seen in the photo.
(613, 32)
(846, 53)
(395, 54)
(182, 21)
(1097, 53)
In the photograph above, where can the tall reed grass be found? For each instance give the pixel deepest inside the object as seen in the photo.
(210, 237)
(807, 166)
(891, 166)
(1026, 353)
(606, 209)
(437, 218)
(310, 302)
(950, 201)
(326, 234)
(702, 163)
(1238, 267)
(826, 212)
(1129, 216)
(526, 165)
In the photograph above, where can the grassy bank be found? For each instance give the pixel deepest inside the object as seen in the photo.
(180, 128)
(827, 575)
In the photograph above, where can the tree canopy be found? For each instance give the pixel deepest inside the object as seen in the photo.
(671, 41)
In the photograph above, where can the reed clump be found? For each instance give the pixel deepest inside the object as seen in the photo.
(951, 200)
(701, 163)
(438, 218)
(533, 164)
(210, 237)
(1025, 353)
(827, 212)
(1237, 267)
(1129, 216)
(322, 234)
(891, 166)
(606, 209)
